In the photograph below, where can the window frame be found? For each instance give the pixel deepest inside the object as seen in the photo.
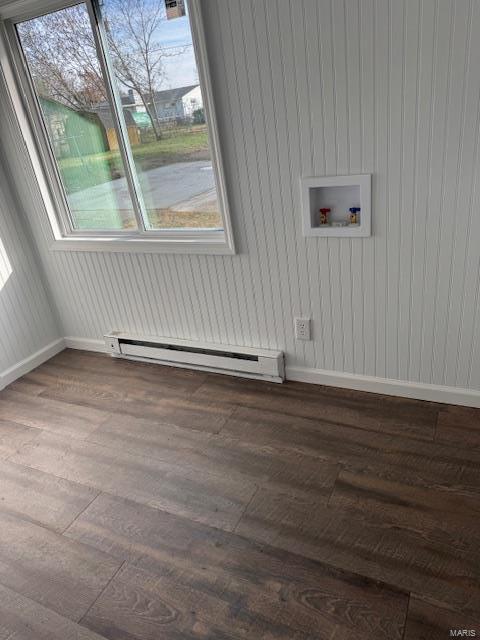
(32, 126)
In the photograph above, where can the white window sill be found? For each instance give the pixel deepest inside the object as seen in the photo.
(218, 246)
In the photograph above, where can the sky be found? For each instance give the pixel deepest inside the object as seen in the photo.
(174, 36)
(180, 70)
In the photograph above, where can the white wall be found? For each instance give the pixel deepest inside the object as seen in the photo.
(313, 87)
(27, 325)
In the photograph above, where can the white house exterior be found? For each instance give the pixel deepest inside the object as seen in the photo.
(192, 101)
(170, 104)
(178, 103)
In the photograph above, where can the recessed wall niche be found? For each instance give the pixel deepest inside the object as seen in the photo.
(336, 206)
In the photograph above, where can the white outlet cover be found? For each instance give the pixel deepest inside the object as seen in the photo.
(302, 328)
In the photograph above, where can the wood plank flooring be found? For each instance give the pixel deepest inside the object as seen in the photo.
(139, 502)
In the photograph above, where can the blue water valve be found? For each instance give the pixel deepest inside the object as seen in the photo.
(354, 215)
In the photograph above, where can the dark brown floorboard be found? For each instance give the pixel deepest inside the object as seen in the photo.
(407, 460)
(385, 414)
(377, 550)
(215, 581)
(56, 572)
(219, 501)
(439, 516)
(145, 502)
(430, 622)
(459, 426)
(71, 420)
(228, 458)
(42, 497)
(24, 619)
(167, 399)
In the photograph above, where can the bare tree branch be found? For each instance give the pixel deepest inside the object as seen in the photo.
(60, 50)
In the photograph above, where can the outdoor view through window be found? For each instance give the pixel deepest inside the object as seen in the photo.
(155, 72)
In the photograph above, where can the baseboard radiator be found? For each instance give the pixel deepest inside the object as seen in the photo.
(239, 361)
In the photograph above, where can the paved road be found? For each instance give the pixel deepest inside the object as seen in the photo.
(162, 188)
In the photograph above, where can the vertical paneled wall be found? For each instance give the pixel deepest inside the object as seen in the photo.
(27, 323)
(319, 87)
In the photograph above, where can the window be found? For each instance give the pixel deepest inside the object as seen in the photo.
(120, 113)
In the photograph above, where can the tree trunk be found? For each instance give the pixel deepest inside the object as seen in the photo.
(152, 114)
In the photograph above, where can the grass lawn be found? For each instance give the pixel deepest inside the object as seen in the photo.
(159, 219)
(88, 171)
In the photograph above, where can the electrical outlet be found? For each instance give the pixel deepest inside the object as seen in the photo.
(302, 328)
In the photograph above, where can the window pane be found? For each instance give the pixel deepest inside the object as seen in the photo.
(157, 77)
(60, 52)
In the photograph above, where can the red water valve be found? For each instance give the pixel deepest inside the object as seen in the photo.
(324, 215)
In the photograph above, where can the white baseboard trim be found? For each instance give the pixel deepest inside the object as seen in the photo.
(85, 344)
(387, 386)
(31, 362)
